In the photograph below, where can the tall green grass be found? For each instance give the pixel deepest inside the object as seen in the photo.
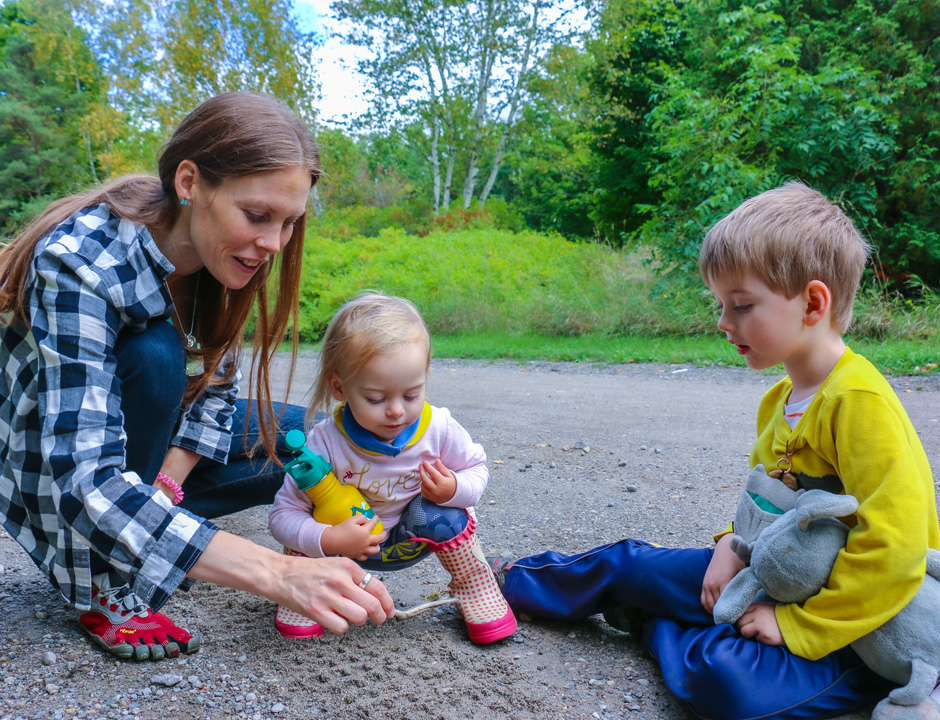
(495, 293)
(472, 281)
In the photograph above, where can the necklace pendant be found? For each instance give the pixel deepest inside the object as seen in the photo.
(194, 366)
(189, 341)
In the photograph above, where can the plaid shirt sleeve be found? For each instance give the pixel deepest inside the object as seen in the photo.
(78, 303)
(206, 425)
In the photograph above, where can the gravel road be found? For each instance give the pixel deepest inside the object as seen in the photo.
(579, 455)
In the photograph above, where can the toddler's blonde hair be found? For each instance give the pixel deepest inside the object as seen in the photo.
(370, 324)
(787, 237)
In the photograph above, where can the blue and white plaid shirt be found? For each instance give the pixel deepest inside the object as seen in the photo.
(63, 488)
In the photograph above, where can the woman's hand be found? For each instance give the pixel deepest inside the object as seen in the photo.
(438, 484)
(352, 538)
(328, 591)
(325, 590)
(724, 565)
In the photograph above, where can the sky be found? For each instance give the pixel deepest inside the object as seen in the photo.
(341, 86)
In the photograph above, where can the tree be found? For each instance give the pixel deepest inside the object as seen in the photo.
(452, 75)
(163, 57)
(551, 166)
(634, 46)
(750, 117)
(49, 88)
(843, 95)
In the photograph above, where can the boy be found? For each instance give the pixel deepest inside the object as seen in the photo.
(784, 267)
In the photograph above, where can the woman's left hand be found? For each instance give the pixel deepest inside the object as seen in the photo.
(438, 484)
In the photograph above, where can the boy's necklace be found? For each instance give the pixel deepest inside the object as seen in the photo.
(782, 473)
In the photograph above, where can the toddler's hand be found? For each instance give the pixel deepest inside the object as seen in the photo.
(759, 622)
(438, 484)
(724, 565)
(352, 538)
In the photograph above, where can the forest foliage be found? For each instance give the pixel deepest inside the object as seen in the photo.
(640, 124)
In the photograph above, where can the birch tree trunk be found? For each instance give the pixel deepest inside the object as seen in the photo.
(513, 105)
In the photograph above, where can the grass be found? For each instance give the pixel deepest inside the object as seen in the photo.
(496, 294)
(897, 357)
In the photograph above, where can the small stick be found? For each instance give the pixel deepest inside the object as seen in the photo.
(418, 609)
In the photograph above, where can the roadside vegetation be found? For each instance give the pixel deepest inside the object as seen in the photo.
(493, 293)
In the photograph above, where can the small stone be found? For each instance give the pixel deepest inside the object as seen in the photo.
(611, 504)
(622, 463)
(572, 635)
(166, 680)
(277, 707)
(48, 658)
(632, 488)
(241, 658)
(551, 464)
(642, 447)
(40, 615)
(657, 451)
(52, 689)
(251, 697)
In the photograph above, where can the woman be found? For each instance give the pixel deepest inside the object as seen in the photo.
(118, 427)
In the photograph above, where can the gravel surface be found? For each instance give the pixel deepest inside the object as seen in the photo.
(579, 455)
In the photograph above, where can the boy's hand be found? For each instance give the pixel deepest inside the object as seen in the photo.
(759, 622)
(724, 565)
(438, 484)
(352, 538)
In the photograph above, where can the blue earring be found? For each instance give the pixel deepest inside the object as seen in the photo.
(184, 202)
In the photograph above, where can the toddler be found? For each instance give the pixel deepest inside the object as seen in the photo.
(415, 465)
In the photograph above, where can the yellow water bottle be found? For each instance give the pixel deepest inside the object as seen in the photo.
(332, 501)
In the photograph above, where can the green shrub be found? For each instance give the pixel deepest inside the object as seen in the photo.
(476, 281)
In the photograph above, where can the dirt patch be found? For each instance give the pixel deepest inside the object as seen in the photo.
(579, 455)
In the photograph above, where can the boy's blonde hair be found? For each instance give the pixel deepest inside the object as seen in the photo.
(370, 324)
(787, 237)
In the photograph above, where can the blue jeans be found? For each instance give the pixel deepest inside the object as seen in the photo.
(422, 520)
(721, 675)
(152, 374)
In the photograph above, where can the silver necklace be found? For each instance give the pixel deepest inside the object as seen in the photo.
(189, 340)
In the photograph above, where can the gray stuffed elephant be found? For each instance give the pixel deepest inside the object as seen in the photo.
(790, 560)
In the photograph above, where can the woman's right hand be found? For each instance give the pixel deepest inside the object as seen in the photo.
(328, 591)
(352, 538)
(724, 565)
(323, 589)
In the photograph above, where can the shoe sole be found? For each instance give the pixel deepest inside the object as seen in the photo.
(483, 633)
(293, 632)
(127, 652)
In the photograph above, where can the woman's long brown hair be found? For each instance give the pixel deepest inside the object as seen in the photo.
(230, 135)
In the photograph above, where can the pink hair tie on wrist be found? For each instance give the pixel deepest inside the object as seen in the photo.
(171, 485)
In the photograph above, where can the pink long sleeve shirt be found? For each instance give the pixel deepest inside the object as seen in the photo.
(387, 483)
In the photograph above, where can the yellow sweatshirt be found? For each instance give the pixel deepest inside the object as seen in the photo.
(857, 430)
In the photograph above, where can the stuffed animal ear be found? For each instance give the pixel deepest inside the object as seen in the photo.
(933, 564)
(818, 504)
(742, 548)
